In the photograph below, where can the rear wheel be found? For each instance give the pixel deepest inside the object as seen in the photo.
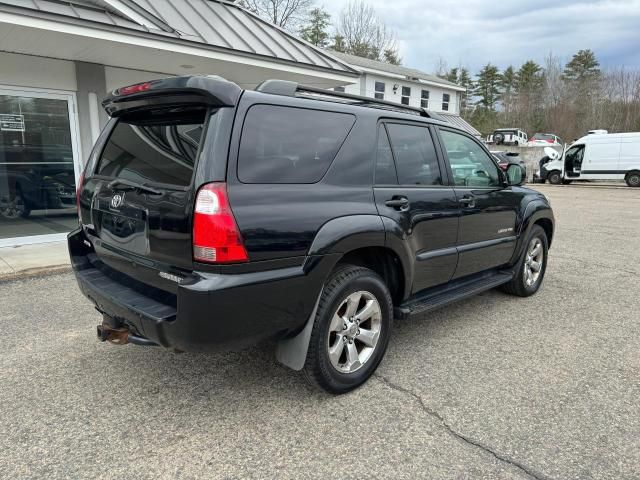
(14, 206)
(532, 266)
(554, 177)
(351, 330)
(633, 179)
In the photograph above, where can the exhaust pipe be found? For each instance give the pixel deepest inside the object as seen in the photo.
(121, 335)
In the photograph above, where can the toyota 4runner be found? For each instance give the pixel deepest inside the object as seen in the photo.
(213, 217)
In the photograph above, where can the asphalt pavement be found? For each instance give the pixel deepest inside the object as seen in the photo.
(495, 387)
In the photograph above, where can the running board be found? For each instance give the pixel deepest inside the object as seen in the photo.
(451, 293)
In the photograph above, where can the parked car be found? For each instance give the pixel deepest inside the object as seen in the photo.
(596, 157)
(213, 217)
(545, 140)
(36, 178)
(508, 136)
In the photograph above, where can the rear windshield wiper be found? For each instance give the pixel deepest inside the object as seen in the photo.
(121, 182)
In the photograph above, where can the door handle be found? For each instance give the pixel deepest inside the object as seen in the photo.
(399, 203)
(468, 201)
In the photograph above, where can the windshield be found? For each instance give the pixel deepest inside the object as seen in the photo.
(164, 152)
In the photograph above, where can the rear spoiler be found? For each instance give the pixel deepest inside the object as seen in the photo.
(174, 91)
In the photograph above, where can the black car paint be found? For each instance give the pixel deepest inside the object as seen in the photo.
(296, 234)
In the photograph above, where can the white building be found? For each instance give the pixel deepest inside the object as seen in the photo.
(406, 86)
(58, 60)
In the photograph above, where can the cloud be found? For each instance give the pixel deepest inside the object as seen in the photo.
(473, 33)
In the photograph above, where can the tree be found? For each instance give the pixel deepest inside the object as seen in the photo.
(364, 34)
(464, 80)
(583, 66)
(287, 14)
(487, 88)
(391, 56)
(315, 30)
(338, 44)
(452, 75)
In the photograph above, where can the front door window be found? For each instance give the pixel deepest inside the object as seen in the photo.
(37, 175)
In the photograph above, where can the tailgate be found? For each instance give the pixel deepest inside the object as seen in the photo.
(137, 198)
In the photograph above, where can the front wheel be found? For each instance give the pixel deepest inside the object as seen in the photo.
(532, 265)
(351, 330)
(554, 177)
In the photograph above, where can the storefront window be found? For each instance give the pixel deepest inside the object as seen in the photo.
(37, 180)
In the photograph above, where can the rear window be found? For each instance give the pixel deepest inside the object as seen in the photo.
(543, 136)
(290, 145)
(164, 152)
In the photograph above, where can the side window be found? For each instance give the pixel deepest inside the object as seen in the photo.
(470, 164)
(574, 155)
(290, 145)
(379, 93)
(385, 168)
(415, 154)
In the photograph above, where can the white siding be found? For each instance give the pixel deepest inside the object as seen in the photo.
(37, 72)
(366, 87)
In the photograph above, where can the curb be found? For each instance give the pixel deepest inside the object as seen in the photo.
(35, 272)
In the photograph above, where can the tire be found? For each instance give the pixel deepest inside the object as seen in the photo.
(498, 138)
(14, 207)
(348, 291)
(554, 177)
(633, 179)
(522, 285)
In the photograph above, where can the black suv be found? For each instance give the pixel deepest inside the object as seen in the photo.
(213, 217)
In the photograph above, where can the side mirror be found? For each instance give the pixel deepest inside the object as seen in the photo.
(515, 175)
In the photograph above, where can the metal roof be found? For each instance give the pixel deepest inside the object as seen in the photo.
(213, 23)
(389, 68)
(457, 121)
(78, 9)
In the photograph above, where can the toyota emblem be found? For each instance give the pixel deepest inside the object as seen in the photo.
(116, 200)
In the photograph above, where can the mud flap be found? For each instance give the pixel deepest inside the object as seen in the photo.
(292, 352)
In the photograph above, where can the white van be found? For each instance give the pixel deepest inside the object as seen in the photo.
(614, 156)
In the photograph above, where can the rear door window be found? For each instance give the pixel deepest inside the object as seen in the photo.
(415, 155)
(164, 152)
(290, 145)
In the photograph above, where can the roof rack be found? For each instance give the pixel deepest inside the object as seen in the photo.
(293, 89)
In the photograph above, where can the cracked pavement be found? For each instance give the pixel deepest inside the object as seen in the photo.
(494, 387)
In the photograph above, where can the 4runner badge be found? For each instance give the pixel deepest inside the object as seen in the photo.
(506, 230)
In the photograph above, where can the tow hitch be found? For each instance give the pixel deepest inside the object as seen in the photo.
(120, 335)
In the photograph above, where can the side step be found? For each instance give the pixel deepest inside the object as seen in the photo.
(450, 293)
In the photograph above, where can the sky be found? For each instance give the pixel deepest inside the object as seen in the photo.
(471, 33)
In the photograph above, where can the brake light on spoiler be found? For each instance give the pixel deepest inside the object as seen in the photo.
(216, 237)
(138, 88)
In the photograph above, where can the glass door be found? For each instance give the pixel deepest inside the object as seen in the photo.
(39, 165)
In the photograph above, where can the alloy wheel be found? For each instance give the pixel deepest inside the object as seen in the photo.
(533, 262)
(354, 332)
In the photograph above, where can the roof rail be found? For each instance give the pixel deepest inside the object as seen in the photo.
(293, 89)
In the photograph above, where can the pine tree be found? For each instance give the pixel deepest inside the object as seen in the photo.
(338, 44)
(584, 65)
(391, 56)
(487, 88)
(315, 30)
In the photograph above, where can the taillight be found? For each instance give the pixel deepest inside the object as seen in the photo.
(78, 193)
(137, 88)
(216, 238)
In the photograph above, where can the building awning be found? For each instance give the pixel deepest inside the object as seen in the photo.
(457, 121)
(208, 36)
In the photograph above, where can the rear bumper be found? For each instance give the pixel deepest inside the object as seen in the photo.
(209, 311)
